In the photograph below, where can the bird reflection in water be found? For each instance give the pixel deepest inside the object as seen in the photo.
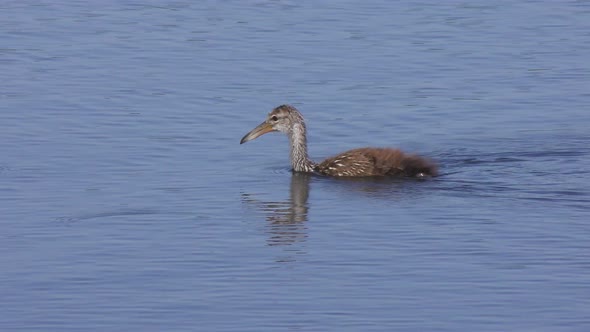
(287, 218)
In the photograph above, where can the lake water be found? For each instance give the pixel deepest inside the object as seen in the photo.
(128, 204)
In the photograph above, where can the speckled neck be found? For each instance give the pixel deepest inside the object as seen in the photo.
(299, 158)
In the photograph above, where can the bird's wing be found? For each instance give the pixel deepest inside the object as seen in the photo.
(349, 163)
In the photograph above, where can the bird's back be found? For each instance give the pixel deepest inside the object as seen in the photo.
(377, 162)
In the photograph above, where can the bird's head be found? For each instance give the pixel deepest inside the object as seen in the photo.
(283, 118)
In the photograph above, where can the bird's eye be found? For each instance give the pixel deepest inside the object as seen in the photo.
(274, 118)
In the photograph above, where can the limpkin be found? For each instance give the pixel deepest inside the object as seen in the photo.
(356, 162)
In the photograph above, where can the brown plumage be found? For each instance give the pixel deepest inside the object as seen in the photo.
(376, 162)
(357, 162)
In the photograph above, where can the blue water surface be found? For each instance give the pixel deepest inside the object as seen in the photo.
(128, 204)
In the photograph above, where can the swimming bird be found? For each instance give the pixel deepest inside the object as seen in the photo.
(357, 162)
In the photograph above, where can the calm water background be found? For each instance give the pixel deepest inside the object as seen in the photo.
(127, 203)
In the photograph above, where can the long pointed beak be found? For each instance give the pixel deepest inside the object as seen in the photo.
(260, 130)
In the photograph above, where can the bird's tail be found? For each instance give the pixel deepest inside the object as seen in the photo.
(416, 166)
